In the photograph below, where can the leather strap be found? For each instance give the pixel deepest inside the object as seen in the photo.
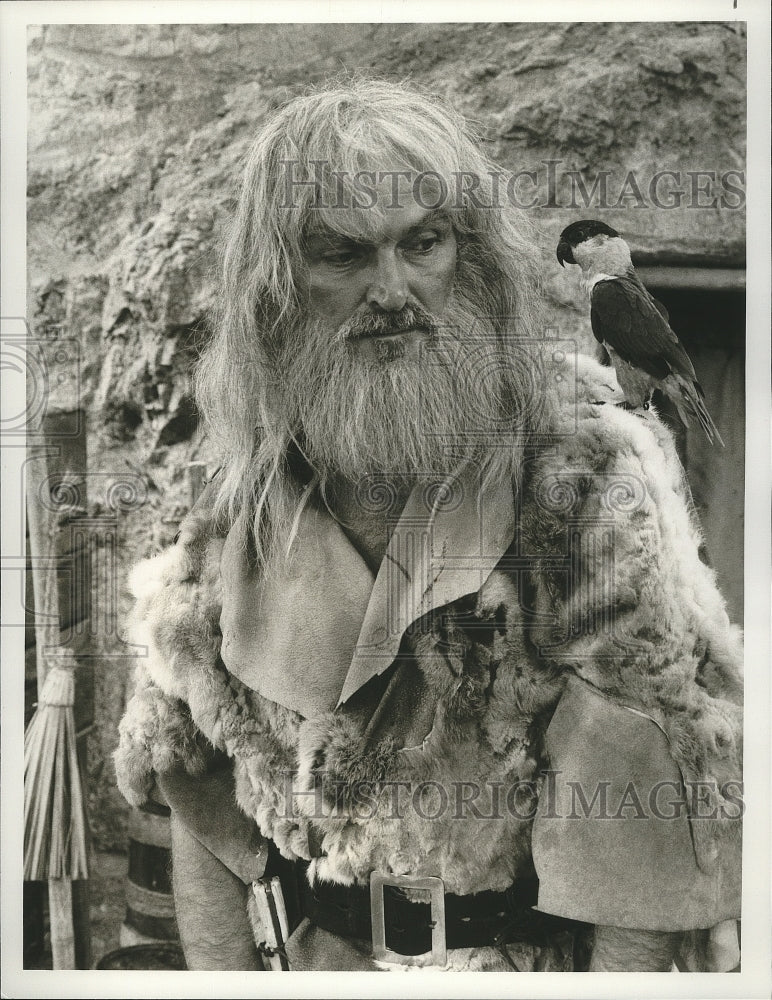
(479, 920)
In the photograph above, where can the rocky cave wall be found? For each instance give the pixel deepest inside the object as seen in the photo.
(136, 134)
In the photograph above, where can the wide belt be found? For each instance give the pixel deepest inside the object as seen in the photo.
(389, 914)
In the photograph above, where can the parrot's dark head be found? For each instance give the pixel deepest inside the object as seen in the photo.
(596, 248)
(578, 233)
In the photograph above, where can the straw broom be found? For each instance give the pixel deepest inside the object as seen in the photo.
(55, 828)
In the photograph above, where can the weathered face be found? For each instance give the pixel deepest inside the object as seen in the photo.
(389, 369)
(407, 258)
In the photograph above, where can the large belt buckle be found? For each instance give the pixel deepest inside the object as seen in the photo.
(439, 953)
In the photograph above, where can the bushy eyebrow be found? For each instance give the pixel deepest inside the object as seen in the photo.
(438, 215)
(324, 236)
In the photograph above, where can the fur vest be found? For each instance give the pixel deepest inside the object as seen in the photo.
(435, 764)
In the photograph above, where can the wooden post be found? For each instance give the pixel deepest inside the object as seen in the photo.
(62, 927)
(51, 737)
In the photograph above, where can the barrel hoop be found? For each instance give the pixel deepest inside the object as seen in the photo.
(150, 828)
(155, 904)
(151, 928)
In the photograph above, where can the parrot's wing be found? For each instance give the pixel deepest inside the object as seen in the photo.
(660, 308)
(628, 319)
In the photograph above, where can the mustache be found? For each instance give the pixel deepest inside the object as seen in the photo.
(383, 324)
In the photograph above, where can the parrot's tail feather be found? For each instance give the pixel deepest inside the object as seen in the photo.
(689, 402)
(706, 421)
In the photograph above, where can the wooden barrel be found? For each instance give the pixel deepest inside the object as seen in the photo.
(163, 956)
(149, 901)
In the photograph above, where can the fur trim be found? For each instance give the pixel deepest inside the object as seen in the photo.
(157, 735)
(613, 590)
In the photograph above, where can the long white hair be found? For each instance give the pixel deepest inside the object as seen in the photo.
(346, 129)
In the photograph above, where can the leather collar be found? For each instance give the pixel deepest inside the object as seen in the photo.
(313, 632)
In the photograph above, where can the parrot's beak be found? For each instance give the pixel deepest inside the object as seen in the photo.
(565, 253)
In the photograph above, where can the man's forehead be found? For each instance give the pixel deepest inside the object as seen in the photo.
(364, 203)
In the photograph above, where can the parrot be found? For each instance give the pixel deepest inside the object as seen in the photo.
(632, 325)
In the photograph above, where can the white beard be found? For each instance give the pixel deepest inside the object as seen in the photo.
(356, 417)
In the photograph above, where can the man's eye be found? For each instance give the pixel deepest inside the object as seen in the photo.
(341, 258)
(423, 244)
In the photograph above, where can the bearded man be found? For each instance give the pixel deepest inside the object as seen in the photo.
(439, 624)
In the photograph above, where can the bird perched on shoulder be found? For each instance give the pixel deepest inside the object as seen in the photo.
(632, 325)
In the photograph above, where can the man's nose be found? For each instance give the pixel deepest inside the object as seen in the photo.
(388, 288)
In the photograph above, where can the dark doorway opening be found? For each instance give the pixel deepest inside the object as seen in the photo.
(711, 326)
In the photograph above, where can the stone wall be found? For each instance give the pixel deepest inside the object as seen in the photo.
(135, 138)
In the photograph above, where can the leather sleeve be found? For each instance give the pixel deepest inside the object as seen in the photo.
(612, 839)
(206, 804)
